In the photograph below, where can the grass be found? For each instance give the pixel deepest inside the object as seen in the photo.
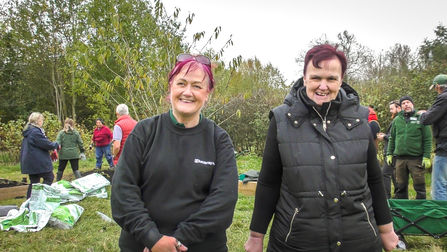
(91, 233)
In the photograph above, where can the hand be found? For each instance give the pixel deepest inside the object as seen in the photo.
(168, 244)
(426, 163)
(255, 242)
(389, 241)
(421, 112)
(389, 160)
(388, 236)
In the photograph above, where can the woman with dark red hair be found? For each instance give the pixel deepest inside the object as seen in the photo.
(320, 177)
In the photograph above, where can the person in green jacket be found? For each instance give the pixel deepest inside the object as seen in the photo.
(71, 145)
(410, 143)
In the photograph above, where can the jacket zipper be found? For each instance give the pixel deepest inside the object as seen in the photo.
(291, 223)
(325, 116)
(369, 221)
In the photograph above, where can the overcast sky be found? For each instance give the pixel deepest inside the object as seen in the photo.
(276, 31)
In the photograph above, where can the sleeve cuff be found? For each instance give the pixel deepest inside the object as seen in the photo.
(152, 237)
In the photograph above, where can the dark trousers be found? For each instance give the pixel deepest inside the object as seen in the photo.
(405, 167)
(388, 176)
(73, 162)
(48, 178)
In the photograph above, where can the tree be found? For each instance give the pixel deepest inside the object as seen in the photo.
(242, 104)
(40, 33)
(356, 54)
(128, 50)
(435, 51)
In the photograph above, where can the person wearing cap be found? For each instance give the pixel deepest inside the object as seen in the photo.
(410, 142)
(102, 137)
(437, 116)
(123, 126)
(388, 170)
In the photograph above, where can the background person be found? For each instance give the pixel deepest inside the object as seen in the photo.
(177, 177)
(35, 158)
(102, 136)
(437, 116)
(71, 143)
(323, 197)
(123, 126)
(410, 143)
(388, 171)
(374, 124)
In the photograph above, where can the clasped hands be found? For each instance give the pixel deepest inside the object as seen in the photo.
(167, 244)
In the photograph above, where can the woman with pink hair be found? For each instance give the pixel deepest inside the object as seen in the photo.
(175, 188)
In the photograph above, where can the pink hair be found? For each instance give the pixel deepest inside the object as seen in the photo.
(192, 65)
(325, 52)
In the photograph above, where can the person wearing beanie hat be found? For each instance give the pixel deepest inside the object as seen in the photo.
(437, 116)
(410, 143)
(406, 98)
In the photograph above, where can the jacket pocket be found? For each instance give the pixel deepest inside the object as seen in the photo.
(291, 223)
(369, 220)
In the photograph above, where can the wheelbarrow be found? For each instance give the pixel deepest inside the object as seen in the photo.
(418, 217)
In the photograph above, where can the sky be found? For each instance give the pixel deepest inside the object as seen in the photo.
(277, 31)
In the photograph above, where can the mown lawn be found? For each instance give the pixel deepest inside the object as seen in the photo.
(91, 233)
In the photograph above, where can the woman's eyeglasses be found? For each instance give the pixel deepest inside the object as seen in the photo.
(199, 58)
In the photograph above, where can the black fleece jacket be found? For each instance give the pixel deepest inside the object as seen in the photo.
(174, 181)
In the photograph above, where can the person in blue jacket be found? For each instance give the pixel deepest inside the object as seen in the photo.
(35, 158)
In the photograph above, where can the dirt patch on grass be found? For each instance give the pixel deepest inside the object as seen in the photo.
(4, 183)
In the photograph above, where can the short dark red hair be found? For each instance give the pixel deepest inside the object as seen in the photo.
(192, 64)
(320, 53)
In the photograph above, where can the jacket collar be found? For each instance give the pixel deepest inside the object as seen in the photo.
(122, 118)
(347, 106)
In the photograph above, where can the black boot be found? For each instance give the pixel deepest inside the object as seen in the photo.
(77, 174)
(59, 175)
(420, 191)
(401, 191)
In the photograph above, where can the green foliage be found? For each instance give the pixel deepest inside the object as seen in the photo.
(435, 50)
(11, 139)
(80, 59)
(242, 101)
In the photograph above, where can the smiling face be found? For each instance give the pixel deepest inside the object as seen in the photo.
(188, 94)
(322, 84)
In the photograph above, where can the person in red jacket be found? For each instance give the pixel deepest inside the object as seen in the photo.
(102, 136)
(123, 126)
